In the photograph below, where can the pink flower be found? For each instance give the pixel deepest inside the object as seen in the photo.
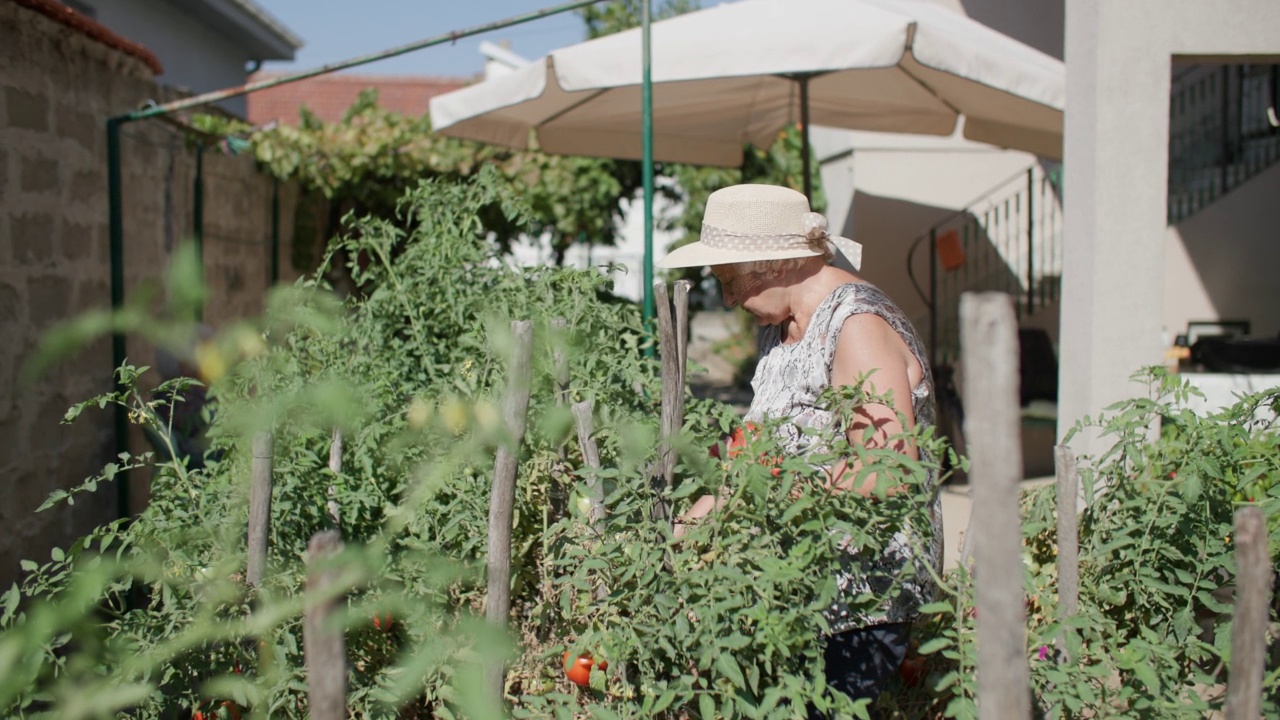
(1044, 652)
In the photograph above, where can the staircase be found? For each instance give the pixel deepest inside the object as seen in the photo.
(1223, 130)
(1009, 240)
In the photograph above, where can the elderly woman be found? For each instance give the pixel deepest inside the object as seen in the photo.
(826, 326)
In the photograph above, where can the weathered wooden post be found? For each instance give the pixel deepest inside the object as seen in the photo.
(670, 341)
(502, 498)
(585, 425)
(989, 349)
(1068, 536)
(560, 367)
(259, 507)
(680, 300)
(335, 467)
(1250, 616)
(323, 645)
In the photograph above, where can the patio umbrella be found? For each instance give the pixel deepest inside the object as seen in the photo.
(742, 71)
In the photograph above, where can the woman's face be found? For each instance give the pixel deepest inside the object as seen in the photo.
(755, 291)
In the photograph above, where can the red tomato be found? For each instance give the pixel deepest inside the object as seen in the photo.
(381, 622)
(579, 673)
(912, 671)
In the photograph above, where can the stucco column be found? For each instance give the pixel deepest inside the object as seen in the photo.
(1116, 158)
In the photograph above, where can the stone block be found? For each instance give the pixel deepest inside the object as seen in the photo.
(27, 110)
(48, 301)
(11, 429)
(32, 235)
(39, 174)
(4, 173)
(91, 294)
(77, 241)
(47, 433)
(85, 129)
(90, 186)
(10, 302)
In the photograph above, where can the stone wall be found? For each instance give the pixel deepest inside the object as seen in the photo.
(57, 89)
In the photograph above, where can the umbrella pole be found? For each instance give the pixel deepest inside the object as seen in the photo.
(804, 138)
(646, 123)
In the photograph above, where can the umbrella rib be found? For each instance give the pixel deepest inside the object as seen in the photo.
(925, 86)
(565, 111)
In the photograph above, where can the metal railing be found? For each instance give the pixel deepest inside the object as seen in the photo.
(1223, 130)
(1008, 240)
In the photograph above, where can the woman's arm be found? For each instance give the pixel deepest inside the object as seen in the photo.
(868, 346)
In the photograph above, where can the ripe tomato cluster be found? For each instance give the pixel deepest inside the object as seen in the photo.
(736, 443)
(232, 712)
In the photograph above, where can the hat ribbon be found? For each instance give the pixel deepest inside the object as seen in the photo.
(815, 228)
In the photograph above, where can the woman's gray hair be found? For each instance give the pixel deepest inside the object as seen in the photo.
(778, 268)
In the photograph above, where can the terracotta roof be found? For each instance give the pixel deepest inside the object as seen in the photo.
(329, 96)
(94, 30)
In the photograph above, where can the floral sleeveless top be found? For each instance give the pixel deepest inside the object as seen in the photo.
(788, 380)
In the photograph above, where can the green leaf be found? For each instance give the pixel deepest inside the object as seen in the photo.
(728, 667)
(1144, 672)
(935, 645)
(707, 706)
(664, 701)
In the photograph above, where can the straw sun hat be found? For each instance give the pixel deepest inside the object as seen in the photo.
(745, 223)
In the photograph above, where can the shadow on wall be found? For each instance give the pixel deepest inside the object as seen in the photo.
(1222, 261)
(886, 227)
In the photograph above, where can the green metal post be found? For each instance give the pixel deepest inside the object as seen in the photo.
(115, 227)
(646, 129)
(275, 231)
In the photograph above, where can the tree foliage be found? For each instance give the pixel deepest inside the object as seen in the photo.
(365, 162)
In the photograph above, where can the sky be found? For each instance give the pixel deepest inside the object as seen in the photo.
(336, 30)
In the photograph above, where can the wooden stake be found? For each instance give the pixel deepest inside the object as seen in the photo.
(1250, 617)
(582, 417)
(681, 312)
(335, 466)
(324, 648)
(989, 349)
(560, 361)
(503, 495)
(259, 508)
(668, 350)
(681, 301)
(1068, 533)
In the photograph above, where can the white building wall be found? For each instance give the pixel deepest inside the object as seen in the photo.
(1118, 58)
(194, 56)
(1221, 262)
(886, 189)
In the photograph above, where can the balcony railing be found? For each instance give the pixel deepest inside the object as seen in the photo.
(1008, 240)
(1223, 130)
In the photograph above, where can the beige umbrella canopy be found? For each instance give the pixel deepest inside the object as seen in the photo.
(740, 72)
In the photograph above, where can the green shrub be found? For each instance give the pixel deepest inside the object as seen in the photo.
(408, 369)
(1152, 634)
